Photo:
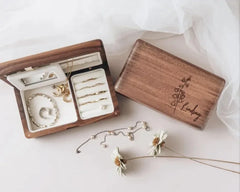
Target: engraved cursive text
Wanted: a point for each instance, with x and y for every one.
(193, 111)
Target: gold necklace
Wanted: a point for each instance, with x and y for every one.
(63, 89)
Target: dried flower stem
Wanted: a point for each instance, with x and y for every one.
(196, 159)
(181, 157)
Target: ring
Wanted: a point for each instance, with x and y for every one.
(45, 112)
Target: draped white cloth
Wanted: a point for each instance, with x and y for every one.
(210, 26)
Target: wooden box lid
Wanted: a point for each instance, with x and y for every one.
(169, 84)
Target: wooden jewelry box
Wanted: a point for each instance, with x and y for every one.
(169, 84)
(62, 88)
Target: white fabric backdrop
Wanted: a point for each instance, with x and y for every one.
(208, 26)
(50, 164)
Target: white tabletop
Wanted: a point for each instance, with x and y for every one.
(50, 163)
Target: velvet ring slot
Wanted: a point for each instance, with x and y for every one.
(92, 94)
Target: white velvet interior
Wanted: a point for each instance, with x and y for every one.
(67, 111)
(16, 78)
(99, 108)
(81, 62)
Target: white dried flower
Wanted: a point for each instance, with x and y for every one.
(119, 161)
(158, 142)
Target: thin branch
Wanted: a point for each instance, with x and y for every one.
(196, 159)
(186, 157)
(207, 163)
(205, 159)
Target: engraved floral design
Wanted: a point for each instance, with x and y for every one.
(179, 92)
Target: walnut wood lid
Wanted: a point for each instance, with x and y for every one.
(169, 84)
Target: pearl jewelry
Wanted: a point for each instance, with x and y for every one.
(130, 138)
(53, 110)
(145, 126)
(93, 137)
(103, 107)
(104, 145)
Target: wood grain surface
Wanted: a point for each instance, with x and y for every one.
(169, 84)
(46, 58)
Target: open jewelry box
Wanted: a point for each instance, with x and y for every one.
(62, 88)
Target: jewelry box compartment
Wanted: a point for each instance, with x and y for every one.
(92, 94)
(63, 88)
(42, 108)
(90, 85)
